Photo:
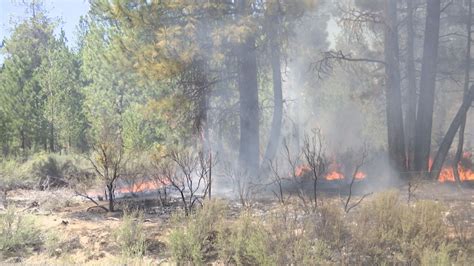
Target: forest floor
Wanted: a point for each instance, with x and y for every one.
(87, 236)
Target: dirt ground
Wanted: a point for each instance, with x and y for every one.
(62, 212)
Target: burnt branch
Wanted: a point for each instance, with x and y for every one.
(325, 65)
(186, 171)
(313, 155)
(97, 205)
(278, 179)
(347, 205)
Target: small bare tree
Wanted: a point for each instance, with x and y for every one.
(108, 162)
(186, 171)
(314, 157)
(348, 206)
(206, 162)
(294, 162)
(278, 179)
(243, 185)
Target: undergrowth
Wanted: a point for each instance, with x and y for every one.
(19, 235)
(131, 235)
(384, 230)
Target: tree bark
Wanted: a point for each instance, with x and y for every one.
(410, 116)
(396, 143)
(249, 150)
(110, 188)
(449, 137)
(458, 155)
(424, 119)
(275, 132)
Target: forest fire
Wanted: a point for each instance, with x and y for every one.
(447, 174)
(143, 186)
(333, 174)
(464, 169)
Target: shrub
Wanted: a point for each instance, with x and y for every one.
(245, 242)
(57, 245)
(130, 235)
(282, 238)
(194, 238)
(296, 239)
(18, 233)
(331, 226)
(431, 257)
(388, 231)
(9, 178)
(54, 170)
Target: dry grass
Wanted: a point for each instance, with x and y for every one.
(383, 229)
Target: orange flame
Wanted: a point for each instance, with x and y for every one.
(447, 173)
(332, 175)
(301, 170)
(360, 175)
(141, 187)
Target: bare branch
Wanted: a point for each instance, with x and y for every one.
(325, 65)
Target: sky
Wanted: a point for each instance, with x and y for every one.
(68, 11)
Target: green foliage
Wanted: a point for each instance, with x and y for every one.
(194, 238)
(40, 102)
(331, 226)
(43, 171)
(440, 256)
(245, 242)
(10, 176)
(18, 233)
(131, 235)
(388, 230)
(296, 239)
(69, 168)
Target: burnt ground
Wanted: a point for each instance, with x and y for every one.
(62, 212)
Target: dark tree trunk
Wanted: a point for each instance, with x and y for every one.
(396, 143)
(249, 149)
(110, 189)
(459, 150)
(424, 119)
(203, 77)
(274, 138)
(410, 116)
(449, 137)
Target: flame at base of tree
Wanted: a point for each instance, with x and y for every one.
(464, 169)
(447, 174)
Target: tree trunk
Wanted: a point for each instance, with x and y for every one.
(201, 121)
(396, 143)
(110, 188)
(457, 157)
(424, 119)
(23, 141)
(410, 116)
(449, 137)
(249, 149)
(275, 132)
(51, 141)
